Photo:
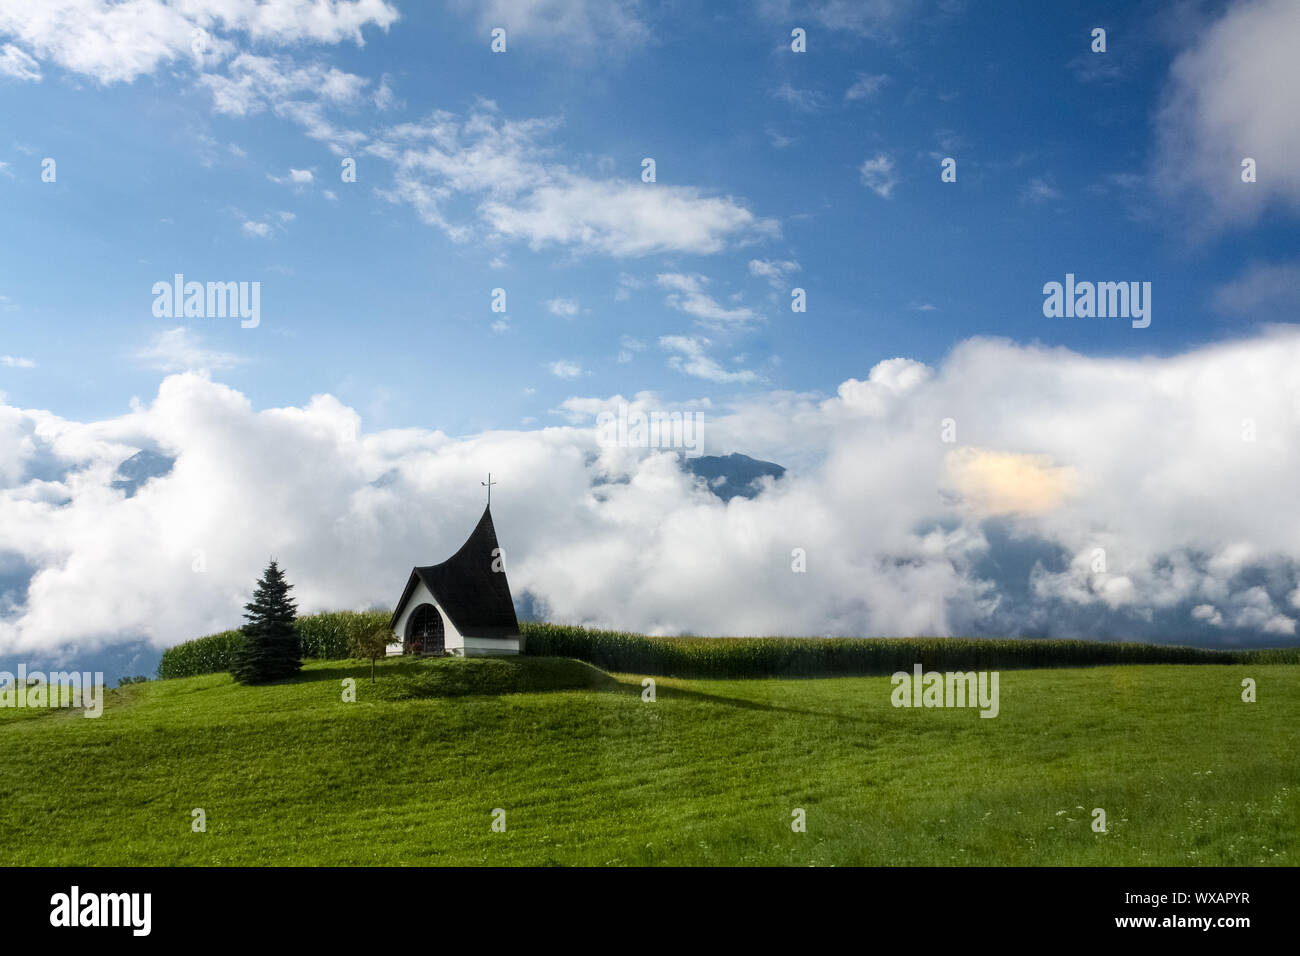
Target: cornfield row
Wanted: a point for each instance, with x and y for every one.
(328, 636)
(203, 655)
(325, 636)
(739, 657)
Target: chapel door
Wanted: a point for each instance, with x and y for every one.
(424, 635)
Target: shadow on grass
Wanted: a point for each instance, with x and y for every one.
(431, 677)
(739, 703)
(425, 678)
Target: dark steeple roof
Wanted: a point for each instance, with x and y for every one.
(476, 598)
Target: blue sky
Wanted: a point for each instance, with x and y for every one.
(347, 432)
(1055, 149)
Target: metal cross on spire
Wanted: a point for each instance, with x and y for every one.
(488, 485)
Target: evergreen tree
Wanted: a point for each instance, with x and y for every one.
(270, 649)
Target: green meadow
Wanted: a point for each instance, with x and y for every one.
(587, 772)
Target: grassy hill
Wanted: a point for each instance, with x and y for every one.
(589, 773)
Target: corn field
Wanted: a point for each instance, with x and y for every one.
(204, 655)
(324, 636)
(739, 657)
(328, 636)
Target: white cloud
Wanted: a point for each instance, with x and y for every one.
(1040, 190)
(629, 348)
(385, 98)
(625, 220)
(523, 194)
(297, 177)
(13, 361)
(690, 357)
(876, 18)
(627, 284)
(687, 295)
(1264, 290)
(567, 308)
(807, 101)
(180, 349)
(878, 175)
(254, 83)
(1208, 613)
(1229, 96)
(994, 533)
(778, 139)
(563, 368)
(16, 64)
(118, 42)
(866, 86)
(581, 26)
(268, 226)
(776, 272)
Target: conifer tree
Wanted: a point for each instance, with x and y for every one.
(270, 648)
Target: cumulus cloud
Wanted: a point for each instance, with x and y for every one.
(1264, 289)
(774, 271)
(521, 193)
(564, 368)
(992, 483)
(118, 42)
(1232, 95)
(878, 175)
(503, 172)
(686, 294)
(301, 94)
(566, 308)
(573, 25)
(1040, 190)
(17, 361)
(254, 83)
(1009, 490)
(806, 101)
(296, 177)
(627, 284)
(866, 86)
(690, 355)
(181, 349)
(623, 219)
(267, 226)
(778, 139)
(16, 64)
(875, 18)
(629, 347)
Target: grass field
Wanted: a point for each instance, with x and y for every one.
(589, 773)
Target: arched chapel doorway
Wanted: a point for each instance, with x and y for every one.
(424, 633)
